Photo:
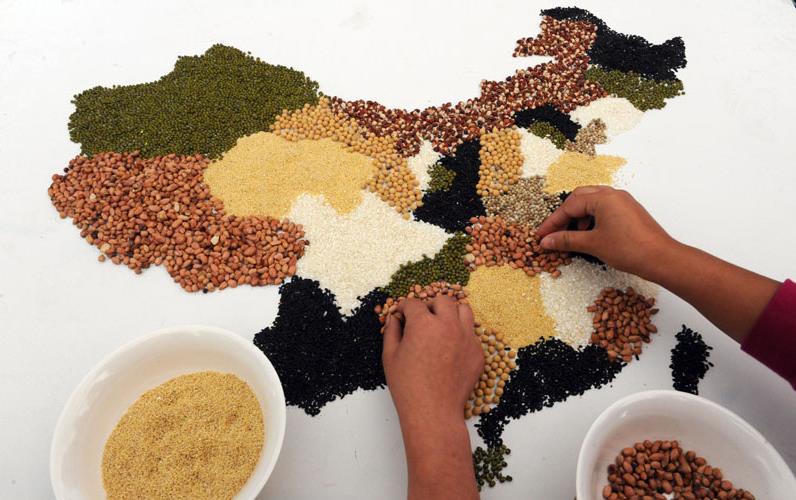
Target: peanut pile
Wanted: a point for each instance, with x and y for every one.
(499, 359)
(622, 322)
(661, 469)
(496, 242)
(393, 180)
(501, 161)
(144, 211)
(560, 83)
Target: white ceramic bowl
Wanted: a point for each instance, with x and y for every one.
(722, 437)
(103, 396)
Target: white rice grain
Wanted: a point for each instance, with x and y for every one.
(618, 114)
(566, 298)
(537, 153)
(420, 163)
(354, 253)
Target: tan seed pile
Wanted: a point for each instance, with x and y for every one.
(588, 137)
(197, 436)
(501, 161)
(498, 357)
(394, 182)
(622, 322)
(496, 242)
(144, 211)
(264, 174)
(560, 83)
(526, 203)
(572, 170)
(662, 469)
(510, 302)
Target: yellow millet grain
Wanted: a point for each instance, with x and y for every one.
(501, 161)
(509, 301)
(264, 173)
(197, 436)
(577, 169)
(393, 180)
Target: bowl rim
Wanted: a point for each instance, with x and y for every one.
(169, 330)
(591, 434)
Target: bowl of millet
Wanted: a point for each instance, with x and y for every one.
(183, 412)
(665, 444)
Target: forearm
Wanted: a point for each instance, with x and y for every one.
(438, 458)
(731, 297)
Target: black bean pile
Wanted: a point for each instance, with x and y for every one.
(561, 121)
(614, 50)
(318, 354)
(548, 372)
(451, 209)
(689, 361)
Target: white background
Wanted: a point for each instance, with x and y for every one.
(717, 168)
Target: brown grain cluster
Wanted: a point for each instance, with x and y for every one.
(501, 161)
(499, 359)
(622, 322)
(661, 469)
(496, 242)
(393, 180)
(588, 137)
(560, 83)
(144, 211)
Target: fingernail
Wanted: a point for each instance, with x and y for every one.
(547, 242)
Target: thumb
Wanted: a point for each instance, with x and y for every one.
(392, 336)
(569, 241)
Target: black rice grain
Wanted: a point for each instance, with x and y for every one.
(551, 115)
(689, 361)
(626, 53)
(548, 372)
(453, 208)
(319, 354)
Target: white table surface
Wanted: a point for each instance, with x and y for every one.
(717, 168)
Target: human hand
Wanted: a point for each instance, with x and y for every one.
(624, 236)
(432, 359)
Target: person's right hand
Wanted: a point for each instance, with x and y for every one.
(624, 236)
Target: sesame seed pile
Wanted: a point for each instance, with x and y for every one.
(364, 204)
(158, 211)
(689, 362)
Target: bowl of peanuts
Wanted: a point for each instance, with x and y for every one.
(665, 444)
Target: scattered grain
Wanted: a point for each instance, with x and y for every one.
(622, 322)
(538, 153)
(525, 203)
(618, 114)
(501, 161)
(588, 137)
(689, 360)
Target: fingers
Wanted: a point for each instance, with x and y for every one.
(392, 336)
(569, 241)
(580, 204)
(444, 306)
(466, 318)
(412, 310)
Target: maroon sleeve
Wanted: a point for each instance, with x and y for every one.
(772, 340)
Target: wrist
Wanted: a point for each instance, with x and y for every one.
(663, 261)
